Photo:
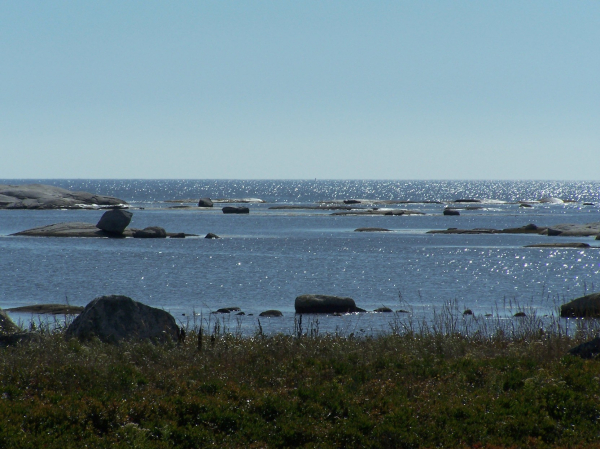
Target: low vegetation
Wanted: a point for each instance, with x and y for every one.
(407, 389)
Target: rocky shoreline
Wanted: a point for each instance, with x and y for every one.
(40, 196)
(562, 230)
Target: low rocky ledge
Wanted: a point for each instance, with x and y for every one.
(562, 230)
(379, 212)
(51, 309)
(40, 196)
(79, 229)
(577, 245)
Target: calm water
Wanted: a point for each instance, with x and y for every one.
(267, 258)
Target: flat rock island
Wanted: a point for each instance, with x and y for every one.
(40, 196)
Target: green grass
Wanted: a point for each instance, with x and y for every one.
(424, 389)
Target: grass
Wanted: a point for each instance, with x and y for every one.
(418, 386)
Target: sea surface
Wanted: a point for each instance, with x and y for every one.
(265, 259)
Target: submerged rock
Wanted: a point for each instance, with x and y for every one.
(372, 230)
(325, 304)
(210, 235)
(584, 307)
(115, 318)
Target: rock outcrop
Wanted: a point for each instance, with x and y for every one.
(115, 318)
(578, 245)
(271, 313)
(40, 196)
(74, 229)
(383, 310)
(152, 232)
(236, 210)
(325, 304)
(587, 350)
(205, 202)
(584, 307)
(379, 212)
(451, 212)
(372, 230)
(562, 230)
(6, 324)
(51, 309)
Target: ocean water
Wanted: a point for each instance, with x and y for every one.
(267, 258)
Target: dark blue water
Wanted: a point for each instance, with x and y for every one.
(267, 258)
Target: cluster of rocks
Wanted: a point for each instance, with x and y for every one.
(117, 318)
(113, 223)
(238, 311)
(40, 196)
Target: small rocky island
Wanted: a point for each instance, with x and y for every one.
(112, 224)
(40, 196)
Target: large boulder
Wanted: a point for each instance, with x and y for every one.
(205, 202)
(236, 210)
(152, 232)
(115, 221)
(115, 318)
(585, 307)
(325, 304)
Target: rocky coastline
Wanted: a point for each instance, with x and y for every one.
(40, 196)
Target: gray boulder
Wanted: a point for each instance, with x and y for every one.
(152, 232)
(236, 210)
(325, 304)
(205, 202)
(115, 221)
(115, 318)
(584, 307)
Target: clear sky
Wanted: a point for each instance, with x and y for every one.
(300, 89)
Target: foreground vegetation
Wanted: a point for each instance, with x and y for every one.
(408, 390)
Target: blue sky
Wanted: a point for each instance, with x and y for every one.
(300, 89)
